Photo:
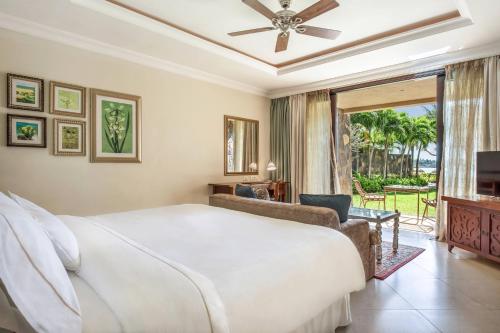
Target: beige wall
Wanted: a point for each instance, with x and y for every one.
(182, 133)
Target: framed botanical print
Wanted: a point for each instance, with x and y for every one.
(69, 137)
(115, 127)
(24, 92)
(67, 99)
(26, 131)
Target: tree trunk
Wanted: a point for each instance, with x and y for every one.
(411, 160)
(370, 158)
(401, 161)
(386, 154)
(418, 158)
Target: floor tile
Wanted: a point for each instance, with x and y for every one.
(377, 295)
(388, 321)
(464, 321)
(433, 294)
(485, 291)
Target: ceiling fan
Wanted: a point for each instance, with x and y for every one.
(286, 20)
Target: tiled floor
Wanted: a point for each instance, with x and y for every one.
(436, 292)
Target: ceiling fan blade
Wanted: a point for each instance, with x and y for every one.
(250, 31)
(317, 9)
(256, 5)
(319, 32)
(282, 42)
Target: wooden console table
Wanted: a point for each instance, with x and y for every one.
(277, 190)
(474, 225)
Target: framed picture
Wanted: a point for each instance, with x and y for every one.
(26, 131)
(69, 137)
(115, 127)
(24, 92)
(67, 99)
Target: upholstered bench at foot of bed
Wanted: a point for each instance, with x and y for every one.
(357, 230)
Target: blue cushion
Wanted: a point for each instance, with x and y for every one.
(338, 202)
(245, 191)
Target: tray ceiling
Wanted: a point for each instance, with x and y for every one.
(357, 19)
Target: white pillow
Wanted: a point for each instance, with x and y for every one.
(63, 239)
(33, 275)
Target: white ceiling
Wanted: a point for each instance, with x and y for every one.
(100, 26)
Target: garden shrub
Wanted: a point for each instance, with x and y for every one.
(377, 183)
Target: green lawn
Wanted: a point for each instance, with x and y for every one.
(406, 203)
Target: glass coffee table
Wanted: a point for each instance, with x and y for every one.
(378, 217)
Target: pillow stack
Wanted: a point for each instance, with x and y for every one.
(252, 191)
(33, 246)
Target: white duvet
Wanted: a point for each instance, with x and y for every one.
(195, 268)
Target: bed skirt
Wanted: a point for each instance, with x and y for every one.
(337, 314)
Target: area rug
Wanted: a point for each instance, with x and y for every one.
(391, 262)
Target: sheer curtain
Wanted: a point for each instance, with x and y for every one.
(319, 152)
(298, 145)
(465, 126)
(491, 119)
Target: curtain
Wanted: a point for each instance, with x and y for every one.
(319, 151)
(280, 139)
(491, 119)
(298, 145)
(464, 132)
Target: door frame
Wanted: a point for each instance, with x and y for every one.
(440, 80)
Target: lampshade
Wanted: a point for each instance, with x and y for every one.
(253, 166)
(271, 166)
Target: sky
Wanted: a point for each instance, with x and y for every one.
(417, 111)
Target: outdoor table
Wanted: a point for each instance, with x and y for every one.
(379, 216)
(409, 189)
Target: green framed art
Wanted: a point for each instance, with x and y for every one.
(115, 127)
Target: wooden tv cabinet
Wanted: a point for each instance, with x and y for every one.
(474, 225)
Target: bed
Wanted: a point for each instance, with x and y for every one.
(196, 268)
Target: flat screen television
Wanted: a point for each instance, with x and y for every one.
(488, 173)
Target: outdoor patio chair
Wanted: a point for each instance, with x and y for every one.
(366, 197)
(428, 203)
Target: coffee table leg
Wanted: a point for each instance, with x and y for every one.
(395, 236)
(378, 228)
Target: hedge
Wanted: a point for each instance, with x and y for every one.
(377, 183)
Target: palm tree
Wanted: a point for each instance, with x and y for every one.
(426, 133)
(388, 122)
(403, 138)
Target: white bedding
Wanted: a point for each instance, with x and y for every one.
(195, 268)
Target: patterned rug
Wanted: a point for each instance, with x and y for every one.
(391, 262)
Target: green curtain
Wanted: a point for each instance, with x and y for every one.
(280, 139)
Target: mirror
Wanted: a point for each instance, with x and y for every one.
(241, 146)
